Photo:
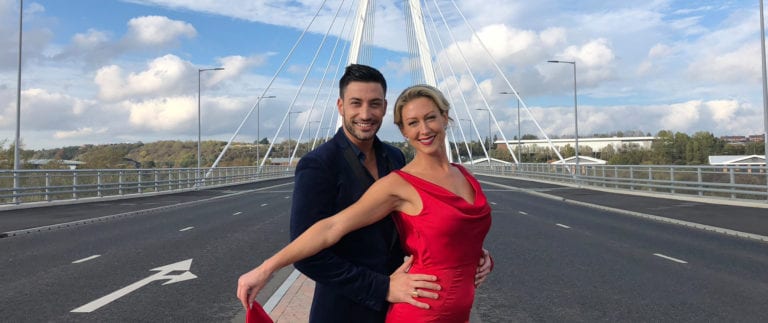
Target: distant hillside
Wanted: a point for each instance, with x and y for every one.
(161, 154)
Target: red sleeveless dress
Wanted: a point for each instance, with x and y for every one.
(445, 240)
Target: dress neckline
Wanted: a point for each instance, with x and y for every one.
(444, 190)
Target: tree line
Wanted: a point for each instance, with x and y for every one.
(670, 148)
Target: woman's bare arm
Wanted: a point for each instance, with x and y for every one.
(383, 197)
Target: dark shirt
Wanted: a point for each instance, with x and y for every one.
(352, 277)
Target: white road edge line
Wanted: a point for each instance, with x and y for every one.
(562, 226)
(86, 259)
(186, 229)
(280, 292)
(670, 258)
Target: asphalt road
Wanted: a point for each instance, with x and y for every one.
(555, 261)
(43, 281)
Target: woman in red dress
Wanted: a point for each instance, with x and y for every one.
(440, 210)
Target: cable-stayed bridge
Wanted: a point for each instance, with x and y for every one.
(472, 84)
(571, 242)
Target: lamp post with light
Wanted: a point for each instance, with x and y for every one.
(575, 110)
(17, 140)
(200, 71)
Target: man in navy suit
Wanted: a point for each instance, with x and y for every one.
(356, 279)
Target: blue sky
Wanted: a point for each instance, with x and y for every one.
(111, 71)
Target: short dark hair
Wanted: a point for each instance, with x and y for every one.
(361, 73)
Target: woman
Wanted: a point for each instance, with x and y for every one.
(441, 213)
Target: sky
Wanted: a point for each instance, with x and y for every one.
(108, 71)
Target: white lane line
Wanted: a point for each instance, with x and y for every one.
(563, 226)
(237, 213)
(86, 259)
(265, 204)
(186, 229)
(670, 258)
(493, 203)
(521, 212)
(287, 197)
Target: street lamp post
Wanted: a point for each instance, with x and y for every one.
(765, 87)
(258, 123)
(17, 141)
(200, 71)
(575, 110)
(519, 141)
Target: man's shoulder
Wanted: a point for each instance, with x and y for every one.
(327, 150)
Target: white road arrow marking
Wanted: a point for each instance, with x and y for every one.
(163, 273)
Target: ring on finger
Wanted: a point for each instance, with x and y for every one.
(415, 293)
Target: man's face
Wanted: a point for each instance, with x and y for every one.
(362, 109)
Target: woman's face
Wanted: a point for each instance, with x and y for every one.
(424, 125)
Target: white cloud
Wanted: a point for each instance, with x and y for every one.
(163, 75)
(164, 114)
(659, 50)
(79, 133)
(737, 65)
(648, 65)
(552, 36)
(681, 115)
(91, 39)
(158, 30)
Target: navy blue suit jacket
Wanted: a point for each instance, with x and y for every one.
(352, 277)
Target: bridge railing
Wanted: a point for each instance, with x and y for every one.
(52, 185)
(45, 186)
(729, 182)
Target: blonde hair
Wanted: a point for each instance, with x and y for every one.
(420, 91)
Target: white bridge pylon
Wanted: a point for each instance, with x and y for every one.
(429, 36)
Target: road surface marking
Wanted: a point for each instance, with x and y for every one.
(493, 203)
(162, 274)
(563, 226)
(86, 259)
(670, 258)
(521, 212)
(280, 292)
(237, 213)
(265, 204)
(186, 229)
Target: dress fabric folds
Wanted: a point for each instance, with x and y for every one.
(445, 240)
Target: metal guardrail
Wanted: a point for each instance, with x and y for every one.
(730, 182)
(49, 185)
(41, 186)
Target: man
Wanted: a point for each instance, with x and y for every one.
(357, 278)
